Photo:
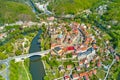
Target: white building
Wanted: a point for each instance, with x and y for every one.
(89, 54)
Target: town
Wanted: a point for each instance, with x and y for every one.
(59, 40)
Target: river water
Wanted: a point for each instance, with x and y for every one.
(36, 65)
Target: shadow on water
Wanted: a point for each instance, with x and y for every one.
(36, 65)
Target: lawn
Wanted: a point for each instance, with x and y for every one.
(100, 74)
(17, 71)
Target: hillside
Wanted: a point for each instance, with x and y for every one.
(70, 6)
(14, 11)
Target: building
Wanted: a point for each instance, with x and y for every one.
(94, 71)
(75, 76)
(69, 67)
(19, 60)
(99, 64)
(66, 77)
(3, 35)
(89, 54)
(74, 55)
(87, 65)
(81, 63)
(50, 18)
(57, 50)
(70, 49)
(78, 68)
(86, 77)
(61, 69)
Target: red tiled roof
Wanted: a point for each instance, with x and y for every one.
(94, 71)
(66, 77)
(117, 58)
(69, 66)
(78, 68)
(99, 63)
(90, 73)
(50, 18)
(88, 40)
(86, 76)
(95, 46)
(75, 76)
(70, 48)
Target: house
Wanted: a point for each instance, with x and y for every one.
(89, 54)
(99, 64)
(95, 46)
(1, 28)
(78, 68)
(50, 18)
(81, 75)
(3, 35)
(75, 76)
(74, 55)
(81, 48)
(94, 71)
(86, 77)
(53, 45)
(60, 36)
(70, 49)
(61, 69)
(90, 73)
(88, 40)
(80, 63)
(117, 58)
(85, 60)
(94, 42)
(69, 67)
(19, 60)
(75, 31)
(66, 77)
(83, 25)
(87, 65)
(58, 50)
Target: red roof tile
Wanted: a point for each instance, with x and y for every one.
(70, 48)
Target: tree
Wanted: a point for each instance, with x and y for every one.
(3, 56)
(18, 52)
(46, 78)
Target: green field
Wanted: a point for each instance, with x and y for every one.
(70, 6)
(13, 11)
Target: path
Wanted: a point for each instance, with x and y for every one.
(26, 71)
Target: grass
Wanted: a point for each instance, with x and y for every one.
(99, 75)
(13, 11)
(70, 6)
(17, 71)
(1, 78)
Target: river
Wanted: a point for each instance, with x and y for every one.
(36, 65)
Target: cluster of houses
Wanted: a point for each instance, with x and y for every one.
(79, 75)
(79, 43)
(84, 75)
(65, 42)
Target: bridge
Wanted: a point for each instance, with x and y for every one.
(42, 53)
(5, 73)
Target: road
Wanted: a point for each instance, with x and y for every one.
(5, 73)
(114, 60)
